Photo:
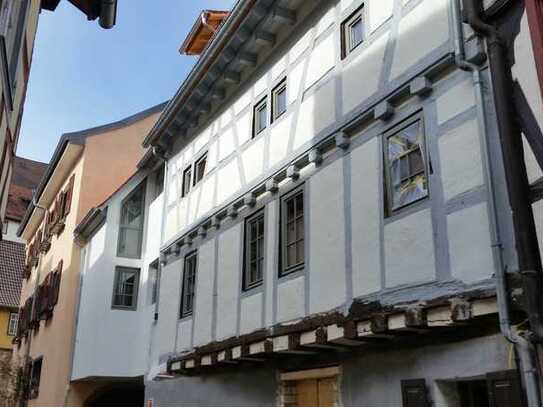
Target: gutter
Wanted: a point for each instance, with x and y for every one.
(517, 187)
(214, 48)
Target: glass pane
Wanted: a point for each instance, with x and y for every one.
(416, 162)
(356, 33)
(291, 232)
(132, 210)
(129, 242)
(299, 204)
(252, 251)
(290, 209)
(280, 101)
(261, 117)
(300, 251)
(300, 228)
(291, 255)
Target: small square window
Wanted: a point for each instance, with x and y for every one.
(406, 177)
(12, 323)
(260, 120)
(352, 32)
(292, 232)
(187, 174)
(189, 284)
(254, 251)
(279, 99)
(200, 168)
(125, 290)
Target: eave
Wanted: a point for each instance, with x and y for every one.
(250, 28)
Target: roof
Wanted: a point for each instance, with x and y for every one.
(91, 8)
(12, 257)
(202, 31)
(79, 138)
(25, 178)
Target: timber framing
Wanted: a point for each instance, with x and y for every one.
(366, 323)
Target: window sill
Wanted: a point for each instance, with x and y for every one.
(120, 308)
(185, 317)
(294, 271)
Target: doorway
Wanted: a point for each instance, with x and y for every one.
(310, 388)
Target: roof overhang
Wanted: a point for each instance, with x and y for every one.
(202, 31)
(251, 26)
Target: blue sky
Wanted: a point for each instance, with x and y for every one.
(83, 76)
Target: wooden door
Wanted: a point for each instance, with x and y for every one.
(316, 392)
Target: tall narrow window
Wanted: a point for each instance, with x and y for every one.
(292, 232)
(125, 290)
(187, 174)
(352, 31)
(189, 284)
(407, 181)
(254, 251)
(35, 378)
(200, 168)
(260, 119)
(12, 324)
(279, 99)
(131, 224)
(154, 273)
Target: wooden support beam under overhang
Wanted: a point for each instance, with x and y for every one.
(247, 58)
(232, 77)
(264, 37)
(345, 335)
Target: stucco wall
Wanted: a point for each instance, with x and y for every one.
(116, 153)
(353, 250)
(5, 340)
(367, 379)
(113, 342)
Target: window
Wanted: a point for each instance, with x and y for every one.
(131, 225)
(12, 323)
(279, 99)
(154, 276)
(200, 168)
(405, 165)
(260, 119)
(35, 378)
(187, 174)
(292, 232)
(125, 289)
(254, 251)
(189, 284)
(352, 32)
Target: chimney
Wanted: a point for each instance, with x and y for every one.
(203, 30)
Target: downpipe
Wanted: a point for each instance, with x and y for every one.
(523, 346)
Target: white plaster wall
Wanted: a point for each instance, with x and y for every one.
(365, 215)
(184, 335)
(228, 273)
(460, 157)
(203, 309)
(427, 26)
(291, 299)
(120, 352)
(272, 219)
(251, 313)
(361, 73)
(409, 250)
(469, 244)
(456, 100)
(537, 208)
(327, 240)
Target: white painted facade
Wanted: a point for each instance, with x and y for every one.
(352, 249)
(10, 231)
(109, 342)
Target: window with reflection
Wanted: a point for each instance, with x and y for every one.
(131, 224)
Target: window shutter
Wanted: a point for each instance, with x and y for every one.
(414, 393)
(56, 286)
(68, 197)
(46, 226)
(504, 389)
